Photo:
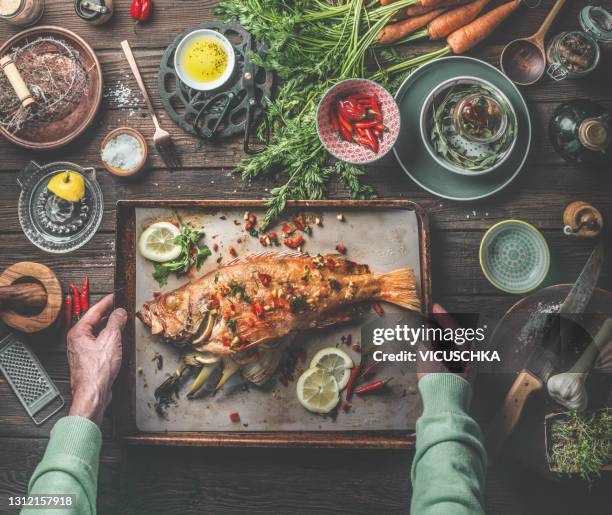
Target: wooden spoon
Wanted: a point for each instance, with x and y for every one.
(524, 60)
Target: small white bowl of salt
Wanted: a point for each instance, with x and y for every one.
(124, 151)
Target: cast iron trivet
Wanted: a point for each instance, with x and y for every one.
(183, 103)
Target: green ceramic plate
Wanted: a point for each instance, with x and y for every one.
(514, 256)
(410, 149)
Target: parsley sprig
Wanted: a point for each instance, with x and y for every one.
(193, 254)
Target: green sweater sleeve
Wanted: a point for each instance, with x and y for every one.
(69, 466)
(450, 463)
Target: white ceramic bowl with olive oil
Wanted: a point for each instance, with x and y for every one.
(204, 60)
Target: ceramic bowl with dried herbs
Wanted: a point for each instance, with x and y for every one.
(468, 126)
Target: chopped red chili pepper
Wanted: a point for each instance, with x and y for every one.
(341, 247)
(215, 247)
(257, 309)
(232, 251)
(356, 347)
(265, 279)
(250, 223)
(299, 222)
(294, 242)
(273, 236)
(234, 416)
(287, 229)
(349, 339)
(378, 309)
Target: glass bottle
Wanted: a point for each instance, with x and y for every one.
(581, 131)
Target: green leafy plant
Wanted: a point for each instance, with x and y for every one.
(312, 45)
(192, 255)
(581, 444)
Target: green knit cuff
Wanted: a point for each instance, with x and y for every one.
(78, 437)
(445, 393)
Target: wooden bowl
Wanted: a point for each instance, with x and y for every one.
(119, 172)
(61, 132)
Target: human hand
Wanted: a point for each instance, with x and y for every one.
(441, 317)
(94, 357)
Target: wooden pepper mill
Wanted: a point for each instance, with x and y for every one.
(30, 297)
(582, 220)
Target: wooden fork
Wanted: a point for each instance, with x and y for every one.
(161, 139)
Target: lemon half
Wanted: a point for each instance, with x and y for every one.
(337, 362)
(67, 185)
(317, 390)
(157, 242)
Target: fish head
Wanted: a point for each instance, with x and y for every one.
(169, 316)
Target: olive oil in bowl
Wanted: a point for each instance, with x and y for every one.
(204, 60)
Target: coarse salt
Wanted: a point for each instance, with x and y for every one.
(124, 151)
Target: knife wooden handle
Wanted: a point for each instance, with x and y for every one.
(508, 416)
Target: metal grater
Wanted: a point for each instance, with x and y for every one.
(28, 378)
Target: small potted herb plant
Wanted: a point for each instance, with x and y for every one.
(579, 444)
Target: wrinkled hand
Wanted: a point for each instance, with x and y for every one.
(441, 317)
(94, 356)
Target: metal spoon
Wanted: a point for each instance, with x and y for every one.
(524, 60)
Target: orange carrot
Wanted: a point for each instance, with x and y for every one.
(417, 9)
(452, 20)
(395, 31)
(473, 33)
(432, 4)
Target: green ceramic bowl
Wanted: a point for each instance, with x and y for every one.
(514, 256)
(410, 149)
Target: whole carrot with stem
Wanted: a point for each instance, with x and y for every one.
(418, 9)
(396, 31)
(460, 40)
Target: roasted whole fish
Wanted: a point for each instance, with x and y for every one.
(248, 305)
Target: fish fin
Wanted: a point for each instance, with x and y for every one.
(277, 254)
(400, 288)
(345, 314)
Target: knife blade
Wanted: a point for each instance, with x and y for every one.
(542, 361)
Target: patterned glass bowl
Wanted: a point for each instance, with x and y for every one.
(347, 150)
(514, 256)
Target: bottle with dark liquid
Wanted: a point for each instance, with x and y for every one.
(581, 131)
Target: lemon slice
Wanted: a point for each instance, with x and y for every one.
(317, 390)
(69, 186)
(157, 242)
(337, 362)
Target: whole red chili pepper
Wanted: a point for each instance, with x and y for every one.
(353, 377)
(141, 9)
(370, 370)
(76, 301)
(372, 387)
(366, 125)
(68, 311)
(85, 295)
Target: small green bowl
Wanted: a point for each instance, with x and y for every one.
(514, 256)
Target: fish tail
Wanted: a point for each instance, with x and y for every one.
(400, 288)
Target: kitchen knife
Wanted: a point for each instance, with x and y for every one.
(542, 360)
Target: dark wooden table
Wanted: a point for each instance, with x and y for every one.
(158, 480)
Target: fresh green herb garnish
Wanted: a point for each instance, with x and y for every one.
(231, 323)
(297, 303)
(192, 255)
(239, 291)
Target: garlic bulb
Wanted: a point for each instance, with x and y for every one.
(568, 390)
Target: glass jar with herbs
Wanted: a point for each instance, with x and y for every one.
(22, 13)
(576, 53)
